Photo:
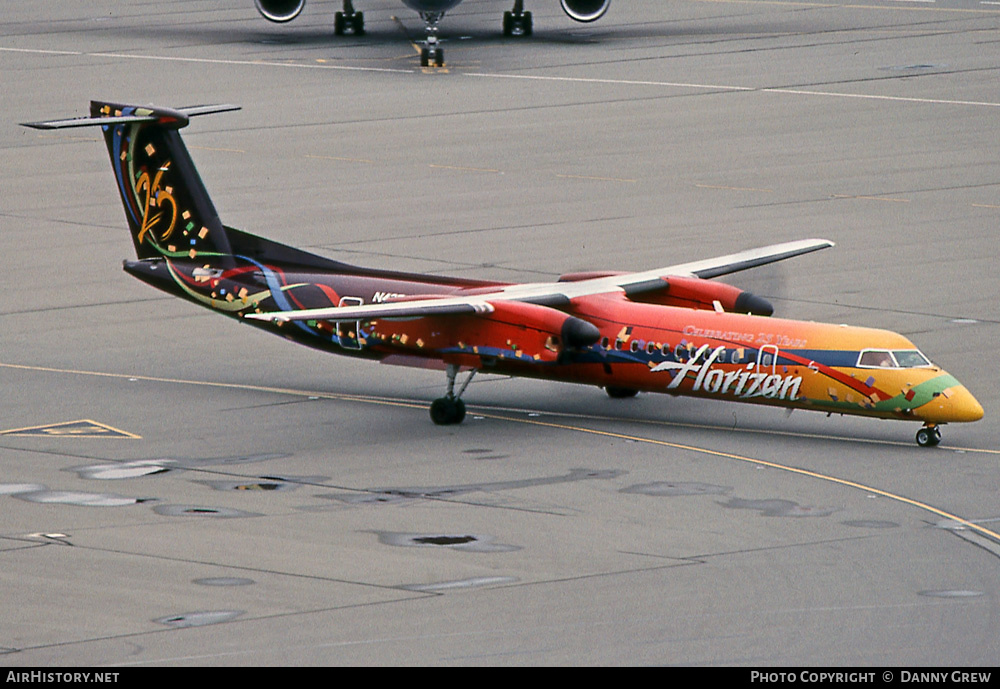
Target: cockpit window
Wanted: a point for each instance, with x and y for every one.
(876, 358)
(899, 358)
(910, 358)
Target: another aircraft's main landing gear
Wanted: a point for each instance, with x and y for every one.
(349, 21)
(450, 409)
(517, 22)
(432, 52)
(929, 436)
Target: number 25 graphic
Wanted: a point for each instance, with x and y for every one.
(156, 200)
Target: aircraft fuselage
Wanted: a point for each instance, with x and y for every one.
(642, 347)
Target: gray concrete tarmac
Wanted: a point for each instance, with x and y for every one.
(176, 489)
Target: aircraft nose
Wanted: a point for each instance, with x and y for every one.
(965, 407)
(955, 404)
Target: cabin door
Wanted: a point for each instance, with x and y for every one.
(767, 356)
(349, 332)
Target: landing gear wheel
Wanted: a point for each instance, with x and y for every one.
(429, 55)
(617, 393)
(447, 411)
(432, 53)
(353, 21)
(517, 23)
(928, 436)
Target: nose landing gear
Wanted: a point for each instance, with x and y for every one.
(431, 53)
(929, 435)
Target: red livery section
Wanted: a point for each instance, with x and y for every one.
(670, 330)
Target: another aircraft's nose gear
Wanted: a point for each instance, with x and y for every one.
(432, 52)
(929, 436)
(517, 22)
(450, 409)
(349, 21)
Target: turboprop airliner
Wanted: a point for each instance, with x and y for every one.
(670, 330)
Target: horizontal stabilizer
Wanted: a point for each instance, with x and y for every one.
(175, 118)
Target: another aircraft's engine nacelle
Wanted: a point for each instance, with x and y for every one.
(280, 10)
(585, 10)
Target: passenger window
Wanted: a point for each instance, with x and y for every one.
(876, 358)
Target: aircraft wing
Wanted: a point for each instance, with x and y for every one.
(752, 258)
(417, 308)
(649, 280)
(555, 293)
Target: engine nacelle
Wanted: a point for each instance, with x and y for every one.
(695, 293)
(584, 10)
(280, 10)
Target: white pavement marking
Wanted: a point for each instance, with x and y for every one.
(487, 75)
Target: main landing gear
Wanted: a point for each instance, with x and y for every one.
(929, 435)
(450, 409)
(349, 21)
(517, 22)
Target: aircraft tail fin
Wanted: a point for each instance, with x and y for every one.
(167, 207)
